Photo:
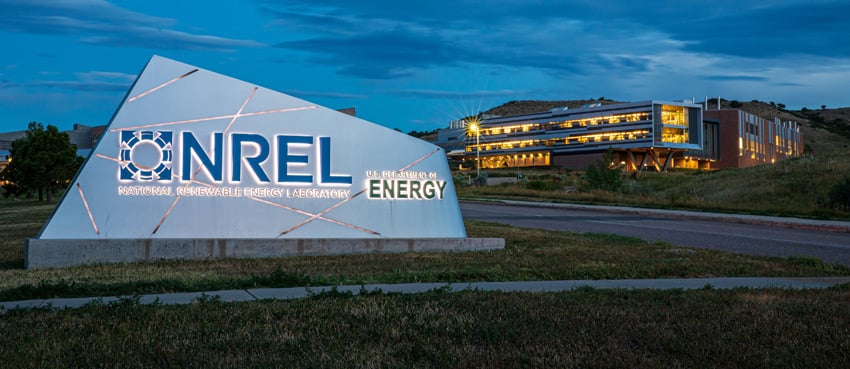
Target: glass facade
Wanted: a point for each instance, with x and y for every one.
(674, 123)
(532, 139)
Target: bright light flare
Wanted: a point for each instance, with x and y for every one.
(473, 126)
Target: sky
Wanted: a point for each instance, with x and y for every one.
(416, 65)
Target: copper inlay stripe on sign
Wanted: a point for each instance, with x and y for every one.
(299, 211)
(316, 216)
(88, 210)
(143, 94)
(197, 120)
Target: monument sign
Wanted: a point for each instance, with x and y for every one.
(195, 165)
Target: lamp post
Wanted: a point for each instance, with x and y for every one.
(474, 126)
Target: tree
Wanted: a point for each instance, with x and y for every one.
(604, 174)
(43, 161)
(421, 134)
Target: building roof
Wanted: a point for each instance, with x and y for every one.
(586, 109)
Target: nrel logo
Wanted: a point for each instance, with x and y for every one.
(145, 155)
(295, 159)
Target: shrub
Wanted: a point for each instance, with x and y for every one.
(839, 194)
(604, 174)
(542, 185)
(481, 180)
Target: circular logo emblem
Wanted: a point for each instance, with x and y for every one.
(145, 155)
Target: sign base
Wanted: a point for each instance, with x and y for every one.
(51, 253)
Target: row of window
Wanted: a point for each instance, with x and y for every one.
(674, 116)
(781, 138)
(566, 124)
(638, 134)
(517, 160)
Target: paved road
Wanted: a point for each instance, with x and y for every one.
(679, 229)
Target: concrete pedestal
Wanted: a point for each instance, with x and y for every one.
(52, 253)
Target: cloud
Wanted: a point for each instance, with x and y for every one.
(332, 95)
(376, 40)
(746, 78)
(440, 94)
(70, 16)
(93, 81)
(80, 85)
(389, 54)
(379, 39)
(94, 75)
(788, 84)
(168, 39)
(755, 29)
(102, 23)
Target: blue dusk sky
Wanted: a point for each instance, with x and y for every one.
(416, 65)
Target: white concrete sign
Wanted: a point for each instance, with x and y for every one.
(195, 154)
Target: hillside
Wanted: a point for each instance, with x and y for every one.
(824, 130)
(517, 107)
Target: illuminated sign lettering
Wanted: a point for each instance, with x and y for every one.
(406, 189)
(212, 160)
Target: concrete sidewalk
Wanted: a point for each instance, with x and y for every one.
(527, 286)
(800, 223)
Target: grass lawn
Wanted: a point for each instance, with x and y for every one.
(529, 255)
(796, 187)
(581, 329)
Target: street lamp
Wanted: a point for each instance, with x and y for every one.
(473, 125)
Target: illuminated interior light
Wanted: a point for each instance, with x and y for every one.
(323, 212)
(299, 211)
(241, 108)
(88, 210)
(143, 94)
(167, 213)
(197, 120)
(194, 175)
(417, 161)
(109, 158)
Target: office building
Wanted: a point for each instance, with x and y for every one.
(647, 134)
(749, 140)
